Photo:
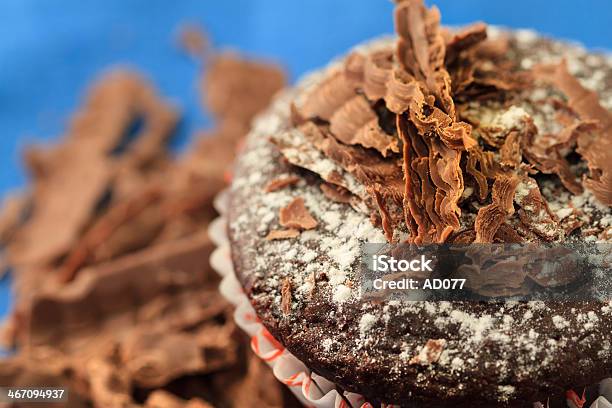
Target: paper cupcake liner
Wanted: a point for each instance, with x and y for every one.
(311, 389)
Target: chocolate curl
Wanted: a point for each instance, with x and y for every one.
(430, 201)
(418, 29)
(549, 159)
(280, 183)
(534, 212)
(487, 169)
(412, 212)
(465, 40)
(104, 228)
(421, 49)
(492, 216)
(401, 91)
(371, 170)
(387, 224)
(376, 73)
(325, 99)
(586, 104)
(510, 151)
(357, 123)
(354, 67)
(430, 119)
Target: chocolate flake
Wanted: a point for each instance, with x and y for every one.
(492, 216)
(327, 98)
(295, 215)
(336, 193)
(356, 123)
(283, 234)
(586, 104)
(281, 183)
(286, 296)
(465, 40)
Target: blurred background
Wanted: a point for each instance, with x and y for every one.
(50, 51)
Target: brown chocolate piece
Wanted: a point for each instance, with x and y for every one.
(492, 216)
(231, 81)
(48, 236)
(464, 40)
(295, 215)
(535, 213)
(355, 122)
(281, 183)
(586, 104)
(327, 98)
(283, 234)
(136, 306)
(286, 296)
(336, 193)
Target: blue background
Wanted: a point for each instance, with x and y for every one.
(50, 50)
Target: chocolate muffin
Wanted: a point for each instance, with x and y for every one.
(476, 135)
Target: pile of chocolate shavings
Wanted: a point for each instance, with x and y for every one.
(429, 125)
(108, 250)
(447, 137)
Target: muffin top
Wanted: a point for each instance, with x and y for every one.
(475, 135)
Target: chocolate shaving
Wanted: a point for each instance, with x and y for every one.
(386, 221)
(357, 123)
(510, 151)
(286, 296)
(421, 47)
(434, 185)
(534, 212)
(295, 215)
(336, 193)
(354, 67)
(465, 40)
(492, 216)
(101, 235)
(489, 275)
(135, 309)
(547, 156)
(232, 81)
(376, 73)
(377, 174)
(327, 97)
(299, 149)
(586, 104)
(283, 234)
(486, 169)
(83, 183)
(281, 183)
